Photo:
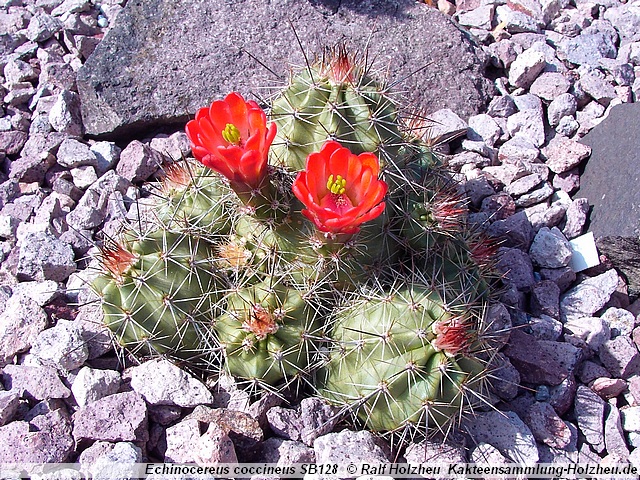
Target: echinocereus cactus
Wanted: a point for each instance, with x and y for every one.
(335, 99)
(159, 292)
(331, 248)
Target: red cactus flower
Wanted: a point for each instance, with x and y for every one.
(232, 138)
(340, 190)
(452, 336)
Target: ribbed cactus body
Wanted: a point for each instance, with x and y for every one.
(195, 198)
(269, 333)
(160, 295)
(323, 103)
(390, 365)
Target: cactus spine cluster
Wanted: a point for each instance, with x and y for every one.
(338, 256)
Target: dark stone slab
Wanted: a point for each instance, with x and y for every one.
(612, 174)
(164, 59)
(624, 255)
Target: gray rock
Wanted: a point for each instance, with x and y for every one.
(214, 447)
(176, 388)
(44, 257)
(84, 176)
(46, 439)
(20, 323)
(622, 73)
(620, 356)
(503, 106)
(514, 231)
(516, 268)
(61, 346)
(623, 253)
(517, 21)
(576, 218)
(524, 184)
(92, 207)
(73, 153)
(630, 418)
(174, 146)
(607, 388)
(545, 328)
(589, 411)
(540, 362)
(97, 338)
(138, 162)
(561, 106)
(608, 181)
(485, 453)
(590, 371)
(598, 88)
(498, 207)
(529, 124)
(445, 122)
(92, 384)
(563, 277)
(9, 402)
(477, 189)
(181, 440)
(505, 378)
(226, 394)
(285, 422)
(117, 97)
(550, 249)
(318, 418)
(591, 332)
(115, 418)
(12, 142)
(107, 155)
(586, 49)
(348, 446)
(483, 128)
(589, 296)
(42, 27)
(37, 383)
(17, 71)
(563, 395)
(285, 452)
(480, 17)
(626, 19)
(546, 426)
(497, 325)
(163, 414)
(121, 461)
(562, 154)
(65, 115)
(620, 321)
(541, 215)
(545, 299)
(508, 433)
(518, 149)
(550, 85)
(40, 292)
(567, 126)
(440, 454)
(568, 181)
(502, 54)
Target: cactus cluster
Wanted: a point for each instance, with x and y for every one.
(330, 249)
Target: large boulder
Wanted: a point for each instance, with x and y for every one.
(611, 175)
(163, 60)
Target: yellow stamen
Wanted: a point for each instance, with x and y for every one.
(337, 186)
(231, 134)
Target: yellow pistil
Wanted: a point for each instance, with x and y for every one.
(336, 186)
(231, 134)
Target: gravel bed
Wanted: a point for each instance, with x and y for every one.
(567, 384)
